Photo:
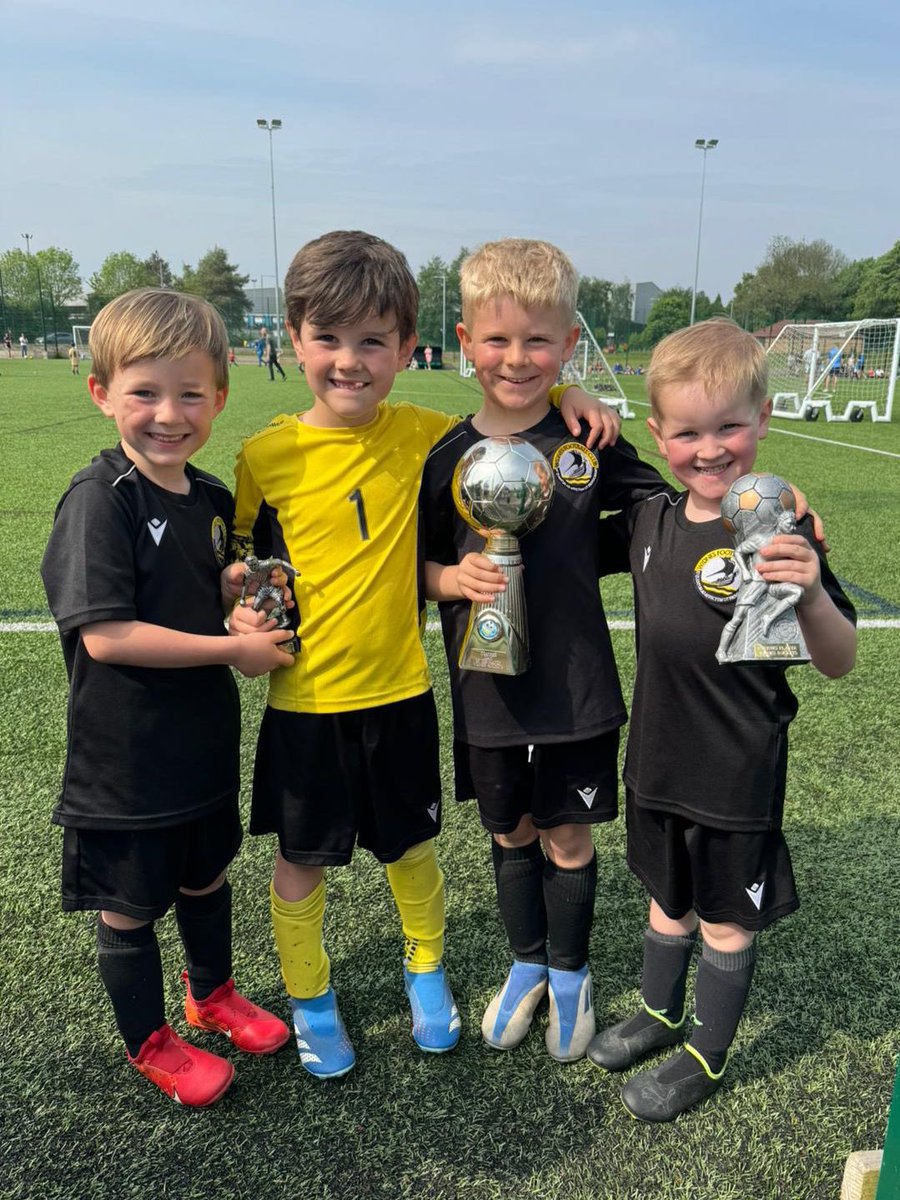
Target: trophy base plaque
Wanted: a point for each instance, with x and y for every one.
(496, 637)
(781, 642)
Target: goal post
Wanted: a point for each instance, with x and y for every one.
(587, 367)
(80, 335)
(843, 369)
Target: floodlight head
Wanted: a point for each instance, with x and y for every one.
(261, 123)
(699, 144)
(276, 124)
(712, 143)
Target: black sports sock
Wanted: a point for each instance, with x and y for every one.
(667, 958)
(204, 923)
(519, 873)
(131, 970)
(723, 983)
(569, 896)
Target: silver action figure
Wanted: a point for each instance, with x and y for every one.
(258, 572)
(764, 626)
(503, 485)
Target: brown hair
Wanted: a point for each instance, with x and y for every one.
(717, 354)
(346, 276)
(534, 274)
(156, 323)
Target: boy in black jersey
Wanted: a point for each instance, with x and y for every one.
(149, 800)
(707, 748)
(538, 750)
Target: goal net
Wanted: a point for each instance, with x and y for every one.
(80, 340)
(843, 369)
(587, 367)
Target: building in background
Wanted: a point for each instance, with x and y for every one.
(645, 295)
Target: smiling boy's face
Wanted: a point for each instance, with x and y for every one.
(350, 368)
(517, 353)
(708, 441)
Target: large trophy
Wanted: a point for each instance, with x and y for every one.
(764, 627)
(504, 486)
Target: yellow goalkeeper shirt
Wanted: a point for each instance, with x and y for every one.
(340, 505)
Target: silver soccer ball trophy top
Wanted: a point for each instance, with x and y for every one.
(764, 626)
(503, 486)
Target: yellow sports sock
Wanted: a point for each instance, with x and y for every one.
(298, 939)
(418, 886)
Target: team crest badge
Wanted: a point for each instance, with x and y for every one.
(219, 535)
(716, 576)
(575, 466)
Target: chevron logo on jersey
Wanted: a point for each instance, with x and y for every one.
(157, 528)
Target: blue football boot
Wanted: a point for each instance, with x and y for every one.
(572, 1022)
(436, 1023)
(324, 1048)
(508, 1017)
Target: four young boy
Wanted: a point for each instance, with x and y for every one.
(347, 749)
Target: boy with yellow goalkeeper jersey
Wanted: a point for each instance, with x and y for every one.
(348, 747)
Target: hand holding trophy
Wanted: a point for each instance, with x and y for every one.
(764, 627)
(503, 486)
(264, 588)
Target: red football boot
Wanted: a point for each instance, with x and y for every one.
(225, 1010)
(185, 1073)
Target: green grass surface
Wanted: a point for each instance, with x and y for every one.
(811, 1076)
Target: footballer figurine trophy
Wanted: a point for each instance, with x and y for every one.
(764, 627)
(504, 486)
(259, 571)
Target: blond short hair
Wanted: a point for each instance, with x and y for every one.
(346, 276)
(156, 323)
(534, 274)
(717, 354)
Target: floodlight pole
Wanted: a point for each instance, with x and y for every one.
(27, 238)
(271, 127)
(704, 144)
(443, 314)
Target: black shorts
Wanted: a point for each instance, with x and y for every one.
(323, 781)
(560, 783)
(137, 872)
(743, 879)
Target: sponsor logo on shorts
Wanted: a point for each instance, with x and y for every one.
(755, 892)
(432, 811)
(575, 466)
(716, 576)
(588, 795)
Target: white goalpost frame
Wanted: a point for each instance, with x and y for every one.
(587, 366)
(81, 342)
(800, 370)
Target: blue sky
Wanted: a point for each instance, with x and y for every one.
(438, 125)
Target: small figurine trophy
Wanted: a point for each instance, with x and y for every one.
(502, 485)
(764, 626)
(258, 572)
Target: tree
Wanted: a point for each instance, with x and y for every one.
(431, 280)
(878, 290)
(797, 280)
(35, 285)
(672, 310)
(594, 304)
(158, 270)
(119, 272)
(218, 281)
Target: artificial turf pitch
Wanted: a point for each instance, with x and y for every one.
(813, 1066)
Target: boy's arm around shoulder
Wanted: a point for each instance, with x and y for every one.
(826, 616)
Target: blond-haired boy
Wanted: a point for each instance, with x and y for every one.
(707, 750)
(538, 751)
(149, 800)
(348, 748)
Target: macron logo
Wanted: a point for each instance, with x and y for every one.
(755, 892)
(588, 795)
(157, 529)
(648, 550)
(432, 811)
